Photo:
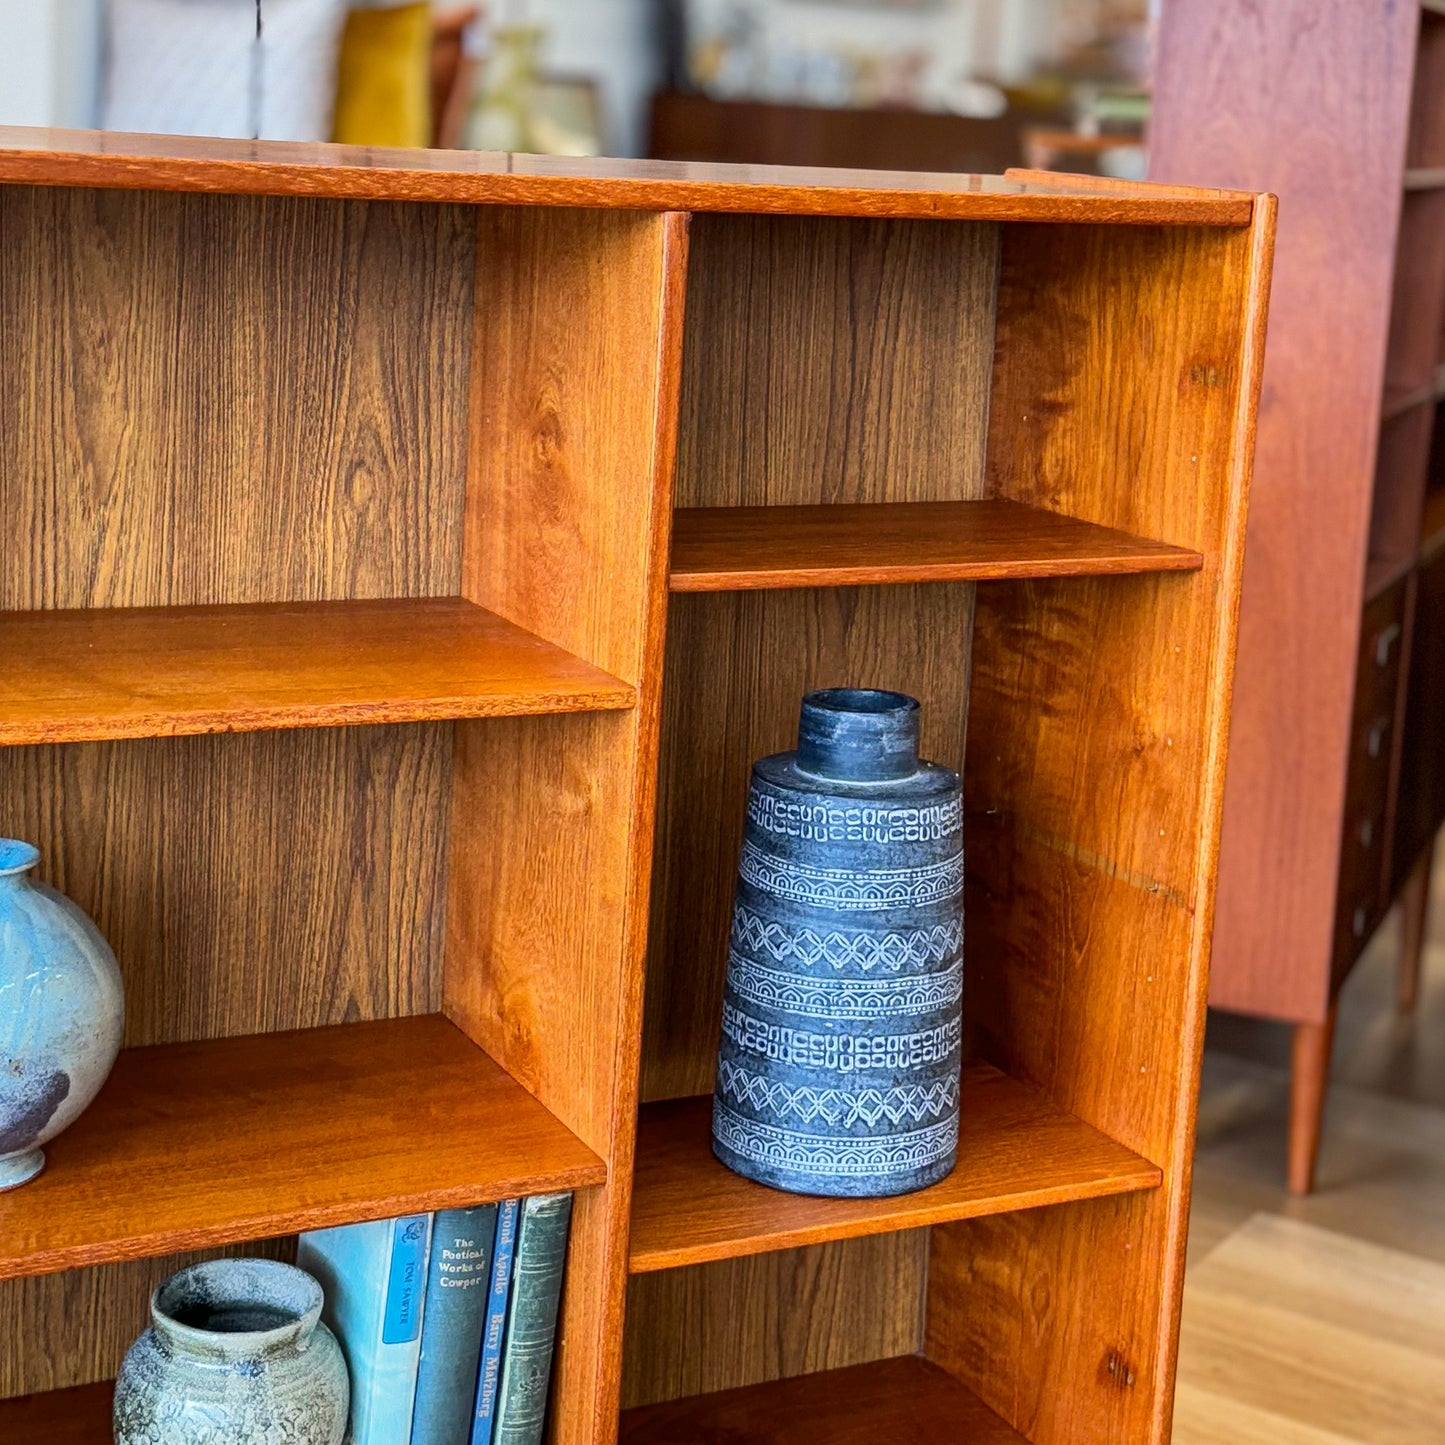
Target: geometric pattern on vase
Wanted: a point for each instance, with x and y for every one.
(832, 998)
(873, 891)
(831, 1158)
(865, 951)
(838, 1063)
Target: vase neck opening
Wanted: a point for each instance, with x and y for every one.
(17, 858)
(237, 1308)
(858, 735)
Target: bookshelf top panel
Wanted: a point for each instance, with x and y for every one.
(190, 1146)
(48, 157)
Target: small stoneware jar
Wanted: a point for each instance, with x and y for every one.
(236, 1354)
(62, 1010)
(838, 1069)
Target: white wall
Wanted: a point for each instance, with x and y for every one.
(49, 61)
(50, 58)
(612, 40)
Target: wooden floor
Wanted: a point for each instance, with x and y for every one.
(1322, 1321)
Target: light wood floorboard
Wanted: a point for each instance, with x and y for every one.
(1321, 1321)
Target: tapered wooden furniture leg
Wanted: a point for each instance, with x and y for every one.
(1414, 914)
(1308, 1079)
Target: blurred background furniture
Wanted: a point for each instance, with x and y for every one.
(1336, 782)
(695, 127)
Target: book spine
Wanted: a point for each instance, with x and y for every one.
(457, 1291)
(532, 1319)
(374, 1279)
(489, 1366)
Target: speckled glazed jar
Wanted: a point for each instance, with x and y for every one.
(236, 1354)
(62, 1009)
(839, 1061)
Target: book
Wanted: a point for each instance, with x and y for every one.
(457, 1290)
(374, 1279)
(490, 1365)
(532, 1319)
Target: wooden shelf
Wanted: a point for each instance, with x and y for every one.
(1015, 1151)
(168, 671)
(63, 1417)
(1432, 523)
(727, 549)
(201, 1144)
(1424, 178)
(1381, 573)
(1399, 399)
(903, 1401)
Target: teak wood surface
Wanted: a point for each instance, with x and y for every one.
(245, 1138)
(723, 549)
(79, 1416)
(905, 1399)
(771, 1316)
(82, 676)
(1015, 1151)
(246, 376)
(39, 157)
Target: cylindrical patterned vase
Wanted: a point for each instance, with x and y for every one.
(839, 1060)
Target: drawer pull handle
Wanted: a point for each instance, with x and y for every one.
(1361, 918)
(1384, 642)
(1367, 832)
(1375, 738)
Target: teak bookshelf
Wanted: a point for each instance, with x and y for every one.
(343, 687)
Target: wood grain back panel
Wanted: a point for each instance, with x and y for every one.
(1236, 121)
(250, 883)
(230, 399)
(835, 361)
(574, 417)
(1125, 391)
(771, 1316)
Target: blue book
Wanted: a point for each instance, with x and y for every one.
(458, 1280)
(490, 1366)
(532, 1319)
(374, 1278)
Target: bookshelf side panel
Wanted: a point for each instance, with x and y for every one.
(574, 405)
(1127, 379)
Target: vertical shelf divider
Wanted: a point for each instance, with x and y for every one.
(574, 385)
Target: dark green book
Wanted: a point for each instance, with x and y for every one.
(532, 1319)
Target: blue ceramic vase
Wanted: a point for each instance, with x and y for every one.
(236, 1354)
(839, 1061)
(62, 1009)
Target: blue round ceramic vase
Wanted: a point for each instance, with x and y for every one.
(842, 1017)
(62, 1009)
(236, 1354)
